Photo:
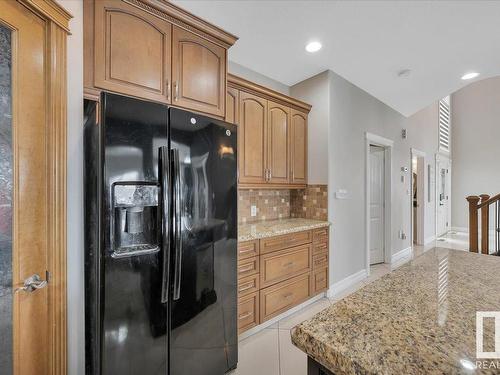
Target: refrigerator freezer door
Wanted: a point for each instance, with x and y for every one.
(134, 325)
(203, 310)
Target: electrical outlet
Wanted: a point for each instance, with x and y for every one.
(253, 210)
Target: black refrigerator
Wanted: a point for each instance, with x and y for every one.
(160, 240)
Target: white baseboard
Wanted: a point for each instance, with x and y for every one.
(347, 282)
(460, 229)
(428, 240)
(270, 322)
(401, 257)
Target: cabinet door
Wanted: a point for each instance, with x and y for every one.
(132, 51)
(198, 73)
(298, 145)
(252, 130)
(278, 124)
(232, 105)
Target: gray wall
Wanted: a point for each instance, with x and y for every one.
(316, 90)
(342, 122)
(475, 140)
(261, 79)
(75, 323)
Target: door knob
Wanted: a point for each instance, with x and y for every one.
(32, 283)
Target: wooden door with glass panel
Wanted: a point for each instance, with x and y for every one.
(27, 206)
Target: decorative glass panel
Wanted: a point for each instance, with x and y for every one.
(5, 202)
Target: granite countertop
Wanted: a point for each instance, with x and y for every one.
(418, 319)
(263, 229)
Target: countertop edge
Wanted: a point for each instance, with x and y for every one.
(285, 231)
(340, 363)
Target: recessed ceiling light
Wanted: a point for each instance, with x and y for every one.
(470, 75)
(313, 47)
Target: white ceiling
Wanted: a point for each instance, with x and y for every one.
(366, 42)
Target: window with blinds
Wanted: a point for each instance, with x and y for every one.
(444, 126)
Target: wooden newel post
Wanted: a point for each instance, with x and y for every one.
(473, 223)
(485, 225)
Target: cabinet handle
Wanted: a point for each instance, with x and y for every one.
(270, 175)
(248, 286)
(176, 89)
(251, 250)
(288, 295)
(246, 269)
(168, 90)
(289, 264)
(246, 315)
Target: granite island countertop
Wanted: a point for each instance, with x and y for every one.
(263, 229)
(418, 319)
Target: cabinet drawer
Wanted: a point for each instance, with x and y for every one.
(271, 244)
(283, 264)
(319, 280)
(320, 235)
(319, 248)
(320, 260)
(248, 249)
(247, 267)
(281, 297)
(248, 312)
(247, 285)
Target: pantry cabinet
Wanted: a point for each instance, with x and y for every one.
(252, 133)
(298, 147)
(153, 50)
(272, 135)
(278, 124)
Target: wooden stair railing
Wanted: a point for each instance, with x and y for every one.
(482, 203)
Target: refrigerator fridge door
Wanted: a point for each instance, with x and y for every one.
(134, 335)
(203, 338)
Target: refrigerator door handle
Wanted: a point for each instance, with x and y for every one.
(177, 214)
(165, 222)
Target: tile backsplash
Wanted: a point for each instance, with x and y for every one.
(270, 204)
(310, 203)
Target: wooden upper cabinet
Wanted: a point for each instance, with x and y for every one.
(278, 124)
(252, 133)
(198, 73)
(232, 105)
(132, 51)
(298, 145)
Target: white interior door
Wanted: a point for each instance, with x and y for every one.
(377, 194)
(443, 195)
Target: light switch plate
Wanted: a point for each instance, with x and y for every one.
(253, 210)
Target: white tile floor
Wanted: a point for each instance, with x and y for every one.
(271, 352)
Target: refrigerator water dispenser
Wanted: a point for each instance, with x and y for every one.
(135, 219)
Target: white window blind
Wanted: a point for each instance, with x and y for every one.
(444, 126)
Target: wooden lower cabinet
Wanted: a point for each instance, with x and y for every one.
(284, 264)
(319, 281)
(270, 244)
(248, 267)
(281, 297)
(248, 284)
(248, 312)
(278, 273)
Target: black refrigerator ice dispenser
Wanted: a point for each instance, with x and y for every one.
(135, 218)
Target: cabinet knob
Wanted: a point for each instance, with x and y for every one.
(168, 90)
